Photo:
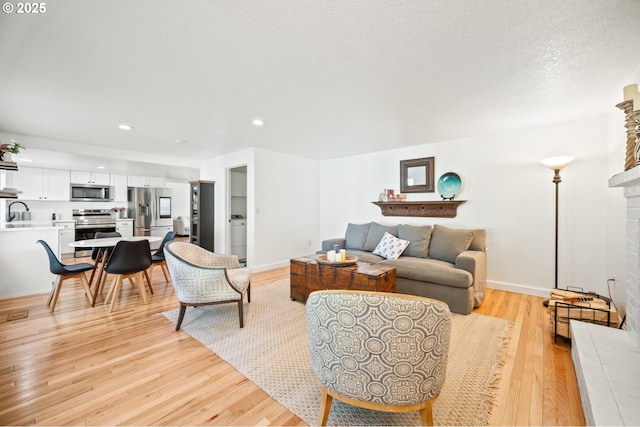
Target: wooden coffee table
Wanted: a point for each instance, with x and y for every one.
(308, 276)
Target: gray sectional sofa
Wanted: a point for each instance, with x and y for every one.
(443, 263)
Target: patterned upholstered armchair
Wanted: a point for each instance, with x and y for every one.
(201, 277)
(379, 351)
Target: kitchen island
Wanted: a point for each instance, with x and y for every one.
(24, 265)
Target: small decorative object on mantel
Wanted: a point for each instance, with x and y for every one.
(437, 209)
(449, 185)
(631, 124)
(397, 198)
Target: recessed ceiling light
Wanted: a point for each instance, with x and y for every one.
(100, 167)
(24, 160)
(124, 126)
(180, 141)
(258, 122)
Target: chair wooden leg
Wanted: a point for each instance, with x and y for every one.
(165, 271)
(87, 289)
(325, 407)
(53, 290)
(95, 264)
(111, 289)
(183, 308)
(141, 289)
(53, 299)
(116, 290)
(146, 274)
(102, 275)
(426, 414)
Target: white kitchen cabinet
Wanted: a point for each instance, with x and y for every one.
(42, 184)
(125, 227)
(119, 184)
(146, 181)
(25, 265)
(66, 235)
(81, 177)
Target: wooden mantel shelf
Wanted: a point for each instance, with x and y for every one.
(438, 209)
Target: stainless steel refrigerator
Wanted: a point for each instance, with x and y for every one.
(150, 209)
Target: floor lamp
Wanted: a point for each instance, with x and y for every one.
(557, 164)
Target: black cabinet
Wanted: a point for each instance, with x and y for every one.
(202, 213)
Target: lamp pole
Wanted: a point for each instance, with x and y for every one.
(557, 164)
(556, 180)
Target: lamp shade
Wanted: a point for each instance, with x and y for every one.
(557, 162)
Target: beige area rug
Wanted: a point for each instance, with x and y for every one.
(272, 351)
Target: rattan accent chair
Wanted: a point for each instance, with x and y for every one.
(379, 351)
(201, 277)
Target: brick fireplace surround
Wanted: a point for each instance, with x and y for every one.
(607, 360)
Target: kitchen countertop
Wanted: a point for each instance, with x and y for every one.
(29, 225)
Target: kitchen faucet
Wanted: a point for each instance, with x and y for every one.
(11, 216)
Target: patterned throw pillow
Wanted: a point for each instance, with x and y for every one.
(390, 246)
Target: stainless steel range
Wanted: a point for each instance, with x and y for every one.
(90, 221)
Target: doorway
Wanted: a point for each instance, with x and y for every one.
(237, 235)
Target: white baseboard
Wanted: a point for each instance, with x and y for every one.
(519, 289)
(271, 266)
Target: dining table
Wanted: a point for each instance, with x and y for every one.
(102, 255)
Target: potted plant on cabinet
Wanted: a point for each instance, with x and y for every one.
(6, 150)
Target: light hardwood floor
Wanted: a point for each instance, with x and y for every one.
(84, 366)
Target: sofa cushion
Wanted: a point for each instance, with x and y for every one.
(390, 246)
(419, 236)
(479, 242)
(365, 256)
(447, 243)
(376, 233)
(430, 270)
(356, 236)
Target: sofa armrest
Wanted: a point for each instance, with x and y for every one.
(475, 262)
(327, 245)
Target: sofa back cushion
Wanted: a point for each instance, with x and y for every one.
(479, 242)
(419, 236)
(376, 233)
(356, 236)
(448, 243)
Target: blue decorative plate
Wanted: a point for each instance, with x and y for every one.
(449, 185)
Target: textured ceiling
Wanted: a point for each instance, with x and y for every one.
(329, 78)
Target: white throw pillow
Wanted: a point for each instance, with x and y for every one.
(390, 246)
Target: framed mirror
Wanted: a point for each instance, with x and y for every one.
(416, 175)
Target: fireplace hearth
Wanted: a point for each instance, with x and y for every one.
(607, 360)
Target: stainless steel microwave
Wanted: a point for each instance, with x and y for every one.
(91, 193)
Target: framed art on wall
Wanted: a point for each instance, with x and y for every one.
(416, 175)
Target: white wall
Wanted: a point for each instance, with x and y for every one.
(286, 207)
(216, 170)
(282, 205)
(181, 204)
(508, 192)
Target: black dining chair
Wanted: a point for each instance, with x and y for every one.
(129, 259)
(64, 272)
(158, 257)
(99, 253)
